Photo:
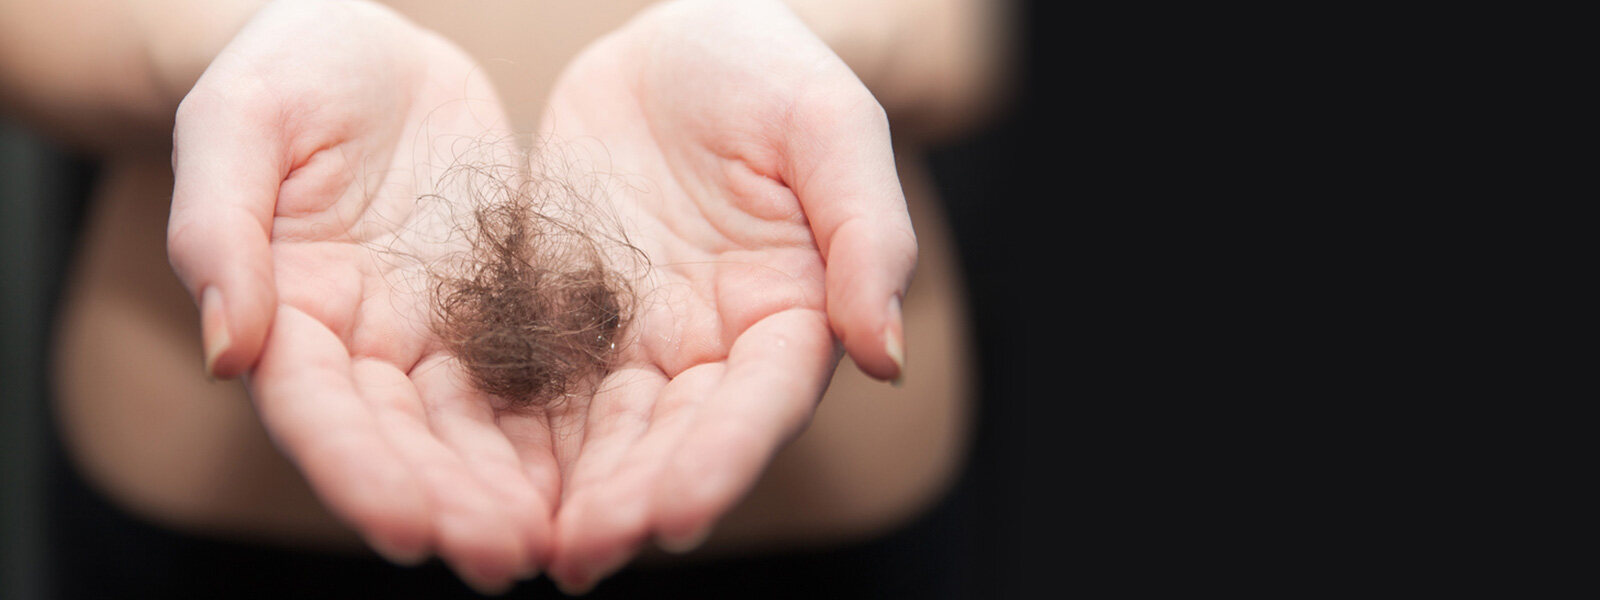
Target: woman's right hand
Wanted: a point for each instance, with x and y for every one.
(299, 157)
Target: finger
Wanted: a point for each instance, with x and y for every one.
(776, 373)
(529, 433)
(470, 528)
(308, 402)
(227, 163)
(616, 417)
(604, 519)
(841, 166)
(464, 421)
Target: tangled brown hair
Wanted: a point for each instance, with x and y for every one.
(533, 310)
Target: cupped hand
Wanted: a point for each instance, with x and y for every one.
(770, 210)
(762, 187)
(299, 157)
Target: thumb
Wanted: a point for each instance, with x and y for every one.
(841, 166)
(227, 165)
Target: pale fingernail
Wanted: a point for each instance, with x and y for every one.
(685, 544)
(894, 341)
(404, 558)
(486, 587)
(214, 327)
(530, 569)
(575, 589)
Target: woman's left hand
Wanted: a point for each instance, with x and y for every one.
(762, 186)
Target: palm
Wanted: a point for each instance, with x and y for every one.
(732, 342)
(766, 201)
(366, 113)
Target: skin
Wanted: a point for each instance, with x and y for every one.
(173, 447)
(278, 254)
(736, 342)
(289, 172)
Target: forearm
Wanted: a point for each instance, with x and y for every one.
(937, 66)
(103, 75)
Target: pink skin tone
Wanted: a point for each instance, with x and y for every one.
(762, 188)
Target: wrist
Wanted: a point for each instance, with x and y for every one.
(936, 66)
(180, 48)
(861, 33)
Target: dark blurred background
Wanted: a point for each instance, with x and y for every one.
(979, 542)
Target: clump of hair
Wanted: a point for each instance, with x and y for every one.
(531, 309)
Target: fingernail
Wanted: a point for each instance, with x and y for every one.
(404, 558)
(575, 589)
(685, 544)
(894, 341)
(214, 325)
(486, 587)
(530, 570)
